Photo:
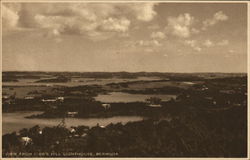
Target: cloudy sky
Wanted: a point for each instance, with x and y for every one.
(162, 37)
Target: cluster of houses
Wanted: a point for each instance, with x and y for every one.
(74, 133)
(106, 106)
(154, 102)
(56, 99)
(7, 99)
(72, 114)
(25, 140)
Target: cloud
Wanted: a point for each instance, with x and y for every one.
(144, 11)
(193, 44)
(223, 43)
(208, 43)
(181, 26)
(113, 24)
(217, 17)
(158, 35)
(10, 18)
(92, 20)
(146, 43)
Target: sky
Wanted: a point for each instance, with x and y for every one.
(133, 37)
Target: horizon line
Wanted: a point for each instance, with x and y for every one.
(128, 71)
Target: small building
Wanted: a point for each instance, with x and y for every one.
(72, 114)
(84, 135)
(5, 97)
(209, 98)
(48, 100)
(102, 126)
(155, 105)
(72, 130)
(29, 97)
(237, 104)
(106, 106)
(26, 140)
(60, 99)
(204, 88)
(76, 135)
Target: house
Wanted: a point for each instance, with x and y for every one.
(76, 135)
(102, 126)
(5, 97)
(237, 104)
(204, 88)
(61, 99)
(48, 100)
(72, 114)
(29, 97)
(26, 140)
(154, 102)
(72, 130)
(106, 106)
(84, 135)
(209, 98)
(155, 105)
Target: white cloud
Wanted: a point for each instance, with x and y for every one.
(193, 44)
(208, 43)
(113, 24)
(88, 19)
(148, 43)
(144, 11)
(223, 43)
(217, 17)
(156, 43)
(181, 26)
(158, 35)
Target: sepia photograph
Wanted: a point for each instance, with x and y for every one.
(124, 79)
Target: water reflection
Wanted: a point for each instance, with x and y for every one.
(17, 121)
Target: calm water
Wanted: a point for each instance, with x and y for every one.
(126, 97)
(16, 121)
